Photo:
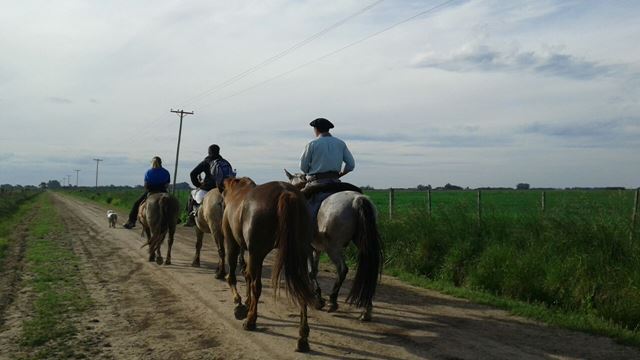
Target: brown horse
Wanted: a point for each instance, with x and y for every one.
(259, 219)
(158, 215)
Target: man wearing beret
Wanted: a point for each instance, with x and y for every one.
(323, 157)
(322, 162)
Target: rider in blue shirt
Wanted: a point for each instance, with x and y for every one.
(156, 180)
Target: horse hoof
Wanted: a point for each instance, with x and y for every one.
(220, 275)
(159, 260)
(152, 258)
(168, 262)
(249, 326)
(320, 303)
(303, 346)
(365, 317)
(195, 263)
(240, 312)
(333, 308)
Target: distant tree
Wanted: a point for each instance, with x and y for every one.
(523, 186)
(6, 187)
(43, 185)
(183, 186)
(54, 184)
(452, 187)
(367, 187)
(423, 187)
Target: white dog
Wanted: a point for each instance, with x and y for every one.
(113, 218)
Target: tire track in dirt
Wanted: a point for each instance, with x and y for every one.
(150, 311)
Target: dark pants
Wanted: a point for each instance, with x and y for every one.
(133, 214)
(316, 200)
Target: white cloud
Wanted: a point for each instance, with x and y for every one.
(91, 80)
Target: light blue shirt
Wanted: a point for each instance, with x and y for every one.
(326, 153)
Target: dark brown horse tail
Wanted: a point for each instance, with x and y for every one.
(370, 256)
(293, 241)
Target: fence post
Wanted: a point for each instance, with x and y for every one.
(479, 208)
(392, 201)
(429, 201)
(634, 214)
(543, 201)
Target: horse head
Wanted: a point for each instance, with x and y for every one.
(297, 180)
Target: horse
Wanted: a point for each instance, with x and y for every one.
(209, 221)
(344, 217)
(259, 219)
(158, 215)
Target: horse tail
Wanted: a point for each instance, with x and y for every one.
(161, 222)
(370, 255)
(293, 240)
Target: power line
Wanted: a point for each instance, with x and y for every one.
(283, 53)
(422, 13)
(260, 65)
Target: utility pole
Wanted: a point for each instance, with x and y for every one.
(175, 171)
(68, 180)
(97, 163)
(77, 172)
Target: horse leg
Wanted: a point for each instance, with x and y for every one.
(366, 313)
(341, 266)
(303, 331)
(152, 254)
(315, 260)
(233, 248)
(218, 238)
(171, 234)
(159, 259)
(255, 274)
(196, 258)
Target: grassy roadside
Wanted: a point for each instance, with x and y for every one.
(588, 323)
(58, 292)
(13, 207)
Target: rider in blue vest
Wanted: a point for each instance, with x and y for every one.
(156, 180)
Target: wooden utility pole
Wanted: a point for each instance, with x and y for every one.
(97, 163)
(392, 202)
(77, 173)
(175, 171)
(634, 213)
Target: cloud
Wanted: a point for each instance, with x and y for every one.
(59, 100)
(484, 58)
(598, 133)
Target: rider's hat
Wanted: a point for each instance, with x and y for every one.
(321, 123)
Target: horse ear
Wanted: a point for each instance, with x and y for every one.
(288, 174)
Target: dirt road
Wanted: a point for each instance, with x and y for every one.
(179, 312)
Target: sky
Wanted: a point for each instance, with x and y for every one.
(474, 93)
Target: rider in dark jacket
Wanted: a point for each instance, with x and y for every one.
(212, 167)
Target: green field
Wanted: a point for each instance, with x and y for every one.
(575, 259)
(12, 206)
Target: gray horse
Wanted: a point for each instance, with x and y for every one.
(345, 217)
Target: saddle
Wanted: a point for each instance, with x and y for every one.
(332, 188)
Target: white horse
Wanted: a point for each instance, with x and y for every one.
(344, 217)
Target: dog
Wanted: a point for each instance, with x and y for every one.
(113, 218)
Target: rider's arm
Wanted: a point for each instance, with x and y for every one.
(349, 162)
(202, 167)
(305, 159)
